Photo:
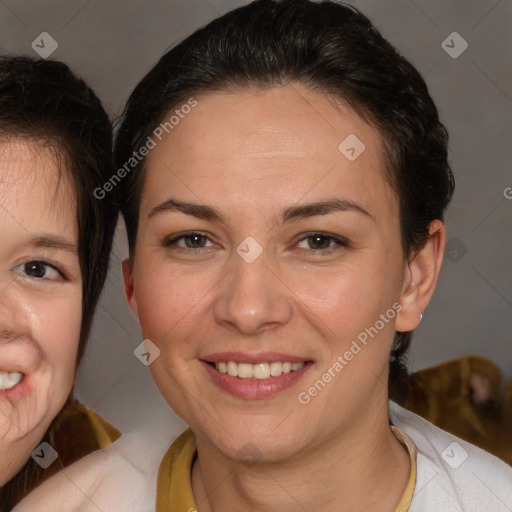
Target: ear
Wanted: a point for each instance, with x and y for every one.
(421, 274)
(129, 290)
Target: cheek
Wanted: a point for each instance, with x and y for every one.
(167, 298)
(59, 333)
(347, 298)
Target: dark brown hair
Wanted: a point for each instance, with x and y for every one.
(333, 49)
(45, 103)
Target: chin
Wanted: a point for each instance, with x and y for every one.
(258, 444)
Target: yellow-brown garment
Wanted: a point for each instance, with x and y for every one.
(74, 433)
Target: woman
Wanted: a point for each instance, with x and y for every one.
(283, 176)
(55, 146)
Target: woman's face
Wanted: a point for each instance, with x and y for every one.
(269, 235)
(40, 298)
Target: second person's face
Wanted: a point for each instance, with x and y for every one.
(263, 251)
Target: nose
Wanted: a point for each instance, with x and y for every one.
(252, 298)
(8, 314)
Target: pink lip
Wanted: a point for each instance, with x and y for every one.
(19, 391)
(256, 388)
(19, 356)
(261, 357)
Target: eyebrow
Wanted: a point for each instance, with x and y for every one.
(322, 208)
(196, 210)
(54, 242)
(291, 213)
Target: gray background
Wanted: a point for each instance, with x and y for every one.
(113, 44)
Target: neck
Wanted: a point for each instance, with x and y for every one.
(349, 470)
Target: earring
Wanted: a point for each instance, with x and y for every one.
(421, 317)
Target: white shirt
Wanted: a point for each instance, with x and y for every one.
(452, 475)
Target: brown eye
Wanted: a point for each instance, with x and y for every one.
(35, 269)
(322, 242)
(195, 240)
(319, 241)
(40, 270)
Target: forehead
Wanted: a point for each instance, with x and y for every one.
(282, 143)
(34, 187)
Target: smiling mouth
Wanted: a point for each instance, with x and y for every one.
(10, 379)
(260, 371)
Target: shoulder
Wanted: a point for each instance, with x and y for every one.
(120, 478)
(452, 474)
(90, 485)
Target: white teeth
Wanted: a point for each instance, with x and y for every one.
(232, 369)
(245, 371)
(257, 371)
(276, 369)
(9, 379)
(261, 371)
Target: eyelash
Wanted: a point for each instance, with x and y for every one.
(339, 241)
